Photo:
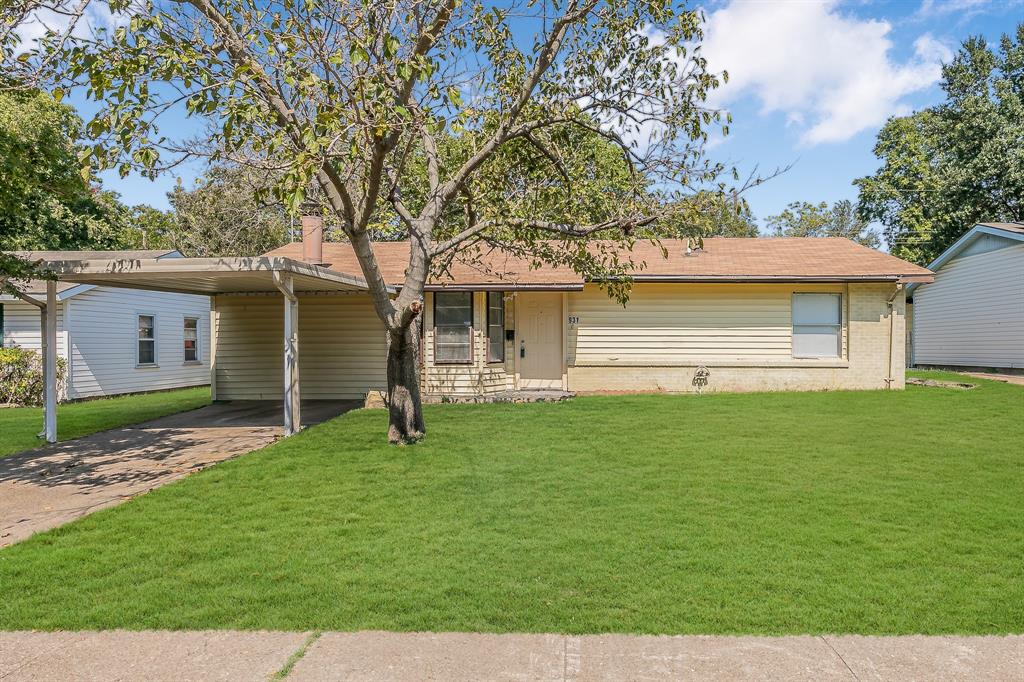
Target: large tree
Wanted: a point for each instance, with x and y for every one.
(343, 95)
(803, 219)
(950, 166)
(46, 203)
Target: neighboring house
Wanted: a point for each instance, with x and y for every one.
(116, 340)
(739, 315)
(972, 315)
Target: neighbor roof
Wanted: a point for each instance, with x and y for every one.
(722, 259)
(1013, 231)
(1006, 227)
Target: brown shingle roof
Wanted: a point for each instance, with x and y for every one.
(722, 259)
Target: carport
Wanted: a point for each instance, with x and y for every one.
(204, 276)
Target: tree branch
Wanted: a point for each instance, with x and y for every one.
(545, 58)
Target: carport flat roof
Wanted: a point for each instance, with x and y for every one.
(205, 275)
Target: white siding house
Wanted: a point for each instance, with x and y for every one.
(972, 315)
(114, 340)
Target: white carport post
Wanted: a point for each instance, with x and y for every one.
(50, 364)
(292, 405)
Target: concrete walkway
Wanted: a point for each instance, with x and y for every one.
(50, 486)
(454, 657)
(1017, 379)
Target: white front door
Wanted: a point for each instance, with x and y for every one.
(539, 346)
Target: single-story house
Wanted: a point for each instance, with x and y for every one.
(751, 314)
(972, 315)
(737, 315)
(115, 340)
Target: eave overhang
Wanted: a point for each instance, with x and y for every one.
(206, 276)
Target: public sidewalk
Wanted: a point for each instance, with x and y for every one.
(225, 655)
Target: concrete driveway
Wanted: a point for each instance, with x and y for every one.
(50, 486)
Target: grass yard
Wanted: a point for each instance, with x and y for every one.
(19, 425)
(869, 512)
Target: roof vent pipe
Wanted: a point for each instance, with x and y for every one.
(313, 239)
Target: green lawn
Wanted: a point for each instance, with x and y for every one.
(19, 425)
(868, 512)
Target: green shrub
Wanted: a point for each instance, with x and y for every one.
(21, 376)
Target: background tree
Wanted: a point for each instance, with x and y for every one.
(803, 219)
(725, 216)
(152, 228)
(224, 215)
(343, 95)
(705, 214)
(46, 202)
(955, 164)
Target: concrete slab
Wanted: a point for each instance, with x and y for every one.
(151, 656)
(918, 657)
(395, 657)
(454, 657)
(18, 649)
(50, 486)
(626, 657)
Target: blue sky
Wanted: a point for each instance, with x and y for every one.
(811, 82)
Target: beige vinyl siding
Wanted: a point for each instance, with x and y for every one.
(103, 324)
(342, 347)
(476, 378)
(658, 342)
(973, 313)
(675, 324)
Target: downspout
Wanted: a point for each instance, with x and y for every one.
(891, 303)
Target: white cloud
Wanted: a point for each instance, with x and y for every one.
(831, 74)
(933, 8)
(97, 15)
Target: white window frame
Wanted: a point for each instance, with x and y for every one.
(156, 341)
(837, 326)
(199, 343)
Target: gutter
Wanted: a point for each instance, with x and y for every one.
(508, 286)
(771, 278)
(697, 279)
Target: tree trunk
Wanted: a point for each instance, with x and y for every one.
(404, 406)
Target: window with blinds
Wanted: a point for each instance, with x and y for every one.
(817, 325)
(453, 327)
